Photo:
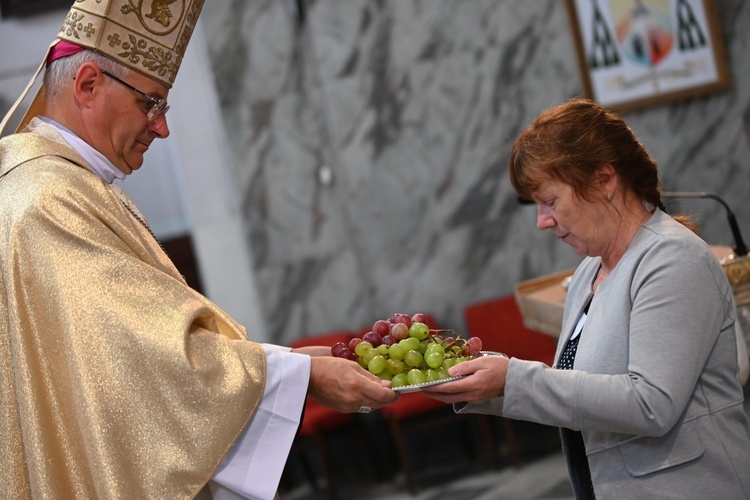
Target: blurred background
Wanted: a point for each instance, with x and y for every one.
(335, 161)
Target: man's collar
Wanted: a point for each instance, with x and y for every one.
(98, 162)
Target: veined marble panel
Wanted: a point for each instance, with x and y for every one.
(371, 141)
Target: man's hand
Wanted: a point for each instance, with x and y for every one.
(313, 350)
(345, 386)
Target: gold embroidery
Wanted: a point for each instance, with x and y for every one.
(114, 40)
(154, 58)
(72, 25)
(160, 12)
(191, 19)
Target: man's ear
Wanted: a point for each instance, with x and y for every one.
(86, 83)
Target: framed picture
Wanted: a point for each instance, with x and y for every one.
(637, 53)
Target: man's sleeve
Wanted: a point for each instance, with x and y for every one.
(253, 465)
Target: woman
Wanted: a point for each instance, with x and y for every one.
(645, 385)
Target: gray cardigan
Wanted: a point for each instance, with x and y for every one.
(654, 388)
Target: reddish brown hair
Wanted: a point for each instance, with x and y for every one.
(569, 142)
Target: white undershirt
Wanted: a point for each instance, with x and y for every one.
(579, 326)
(253, 465)
(94, 158)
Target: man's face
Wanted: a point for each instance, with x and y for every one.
(122, 130)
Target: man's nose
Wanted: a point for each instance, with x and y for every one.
(160, 126)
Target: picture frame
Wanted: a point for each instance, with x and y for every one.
(638, 53)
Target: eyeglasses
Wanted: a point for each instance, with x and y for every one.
(158, 106)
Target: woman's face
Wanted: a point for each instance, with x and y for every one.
(575, 221)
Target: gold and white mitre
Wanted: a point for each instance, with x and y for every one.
(147, 36)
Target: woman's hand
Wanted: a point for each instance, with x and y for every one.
(484, 379)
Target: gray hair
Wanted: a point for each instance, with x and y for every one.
(61, 71)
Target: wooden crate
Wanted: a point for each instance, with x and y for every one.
(738, 273)
(542, 300)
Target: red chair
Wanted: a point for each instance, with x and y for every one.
(320, 421)
(499, 323)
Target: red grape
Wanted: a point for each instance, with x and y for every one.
(419, 318)
(399, 331)
(401, 318)
(381, 327)
(353, 342)
(346, 353)
(373, 338)
(475, 343)
(388, 340)
(336, 348)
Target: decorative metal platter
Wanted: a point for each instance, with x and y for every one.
(419, 387)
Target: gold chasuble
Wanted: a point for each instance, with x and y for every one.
(117, 380)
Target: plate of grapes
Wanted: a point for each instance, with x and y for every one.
(406, 351)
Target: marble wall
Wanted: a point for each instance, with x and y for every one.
(371, 140)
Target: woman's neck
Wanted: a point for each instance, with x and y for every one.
(626, 228)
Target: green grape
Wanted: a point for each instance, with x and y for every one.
(442, 373)
(415, 376)
(396, 351)
(385, 375)
(423, 344)
(435, 347)
(395, 366)
(399, 380)
(362, 363)
(433, 375)
(369, 355)
(410, 343)
(448, 363)
(382, 349)
(376, 364)
(413, 358)
(362, 348)
(419, 331)
(434, 359)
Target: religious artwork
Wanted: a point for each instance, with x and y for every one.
(635, 53)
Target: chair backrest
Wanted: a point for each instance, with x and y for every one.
(498, 322)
